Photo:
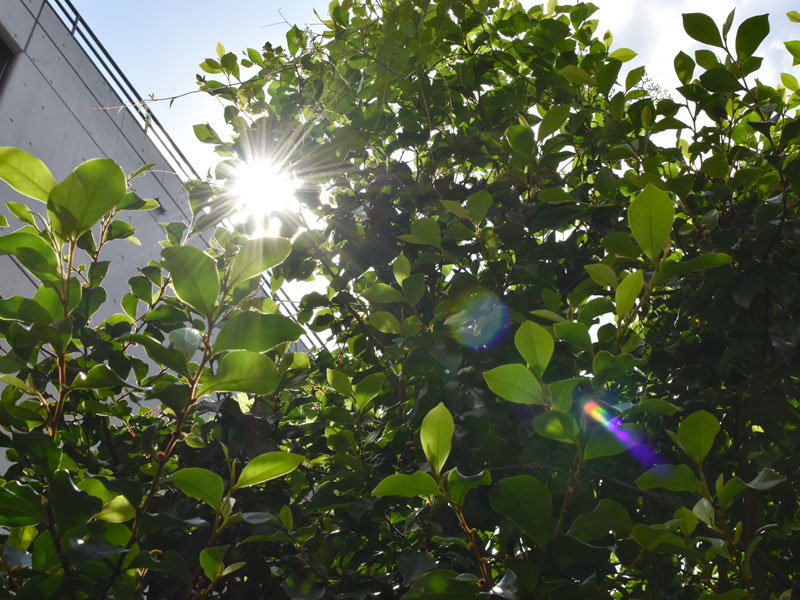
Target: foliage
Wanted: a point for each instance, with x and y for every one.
(562, 315)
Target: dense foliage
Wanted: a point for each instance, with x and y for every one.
(562, 314)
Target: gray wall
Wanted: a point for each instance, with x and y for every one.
(53, 104)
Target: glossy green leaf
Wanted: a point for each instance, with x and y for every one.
(478, 204)
(697, 432)
(561, 393)
(266, 467)
(458, 484)
(385, 322)
(750, 34)
(535, 344)
(117, 510)
(427, 230)
(765, 480)
(607, 516)
(211, 561)
(576, 334)
(339, 382)
(575, 74)
(99, 376)
(678, 478)
(72, 507)
(514, 383)
(650, 217)
(556, 425)
(383, 294)
(185, 339)
(194, 277)
(623, 54)
(443, 584)
(408, 486)
(25, 173)
(368, 388)
(242, 371)
(200, 483)
(401, 269)
(553, 120)
(257, 256)
(95, 188)
(702, 28)
(673, 268)
(684, 67)
(256, 332)
(607, 366)
(627, 293)
(526, 501)
(33, 253)
(521, 140)
(436, 435)
(602, 275)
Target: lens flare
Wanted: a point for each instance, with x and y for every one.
(628, 439)
(480, 322)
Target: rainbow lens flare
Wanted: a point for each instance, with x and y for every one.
(480, 322)
(629, 440)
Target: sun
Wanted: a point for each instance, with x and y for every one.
(262, 189)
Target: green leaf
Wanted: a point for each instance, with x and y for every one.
(793, 47)
(117, 510)
(678, 478)
(793, 16)
(514, 383)
(194, 277)
(720, 81)
(25, 173)
(553, 120)
(702, 28)
(673, 268)
(607, 515)
(650, 217)
(211, 561)
(458, 485)
(368, 388)
(684, 67)
(340, 382)
(427, 230)
(561, 393)
(436, 435)
(521, 140)
(385, 322)
(22, 212)
(242, 371)
(256, 332)
(199, 483)
(627, 293)
(525, 501)
(206, 134)
(535, 344)
(558, 426)
(554, 195)
(750, 34)
(267, 467)
(575, 74)
(765, 480)
(257, 256)
(39, 449)
(443, 584)
(623, 54)
(602, 274)
(33, 253)
(383, 294)
(185, 339)
(576, 334)
(93, 189)
(697, 432)
(607, 366)
(408, 486)
(295, 40)
(401, 268)
(72, 507)
(414, 287)
(99, 376)
(478, 204)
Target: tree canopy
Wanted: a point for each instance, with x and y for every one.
(562, 320)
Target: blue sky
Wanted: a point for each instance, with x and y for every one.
(158, 44)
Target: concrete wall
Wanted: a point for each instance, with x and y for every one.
(53, 104)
